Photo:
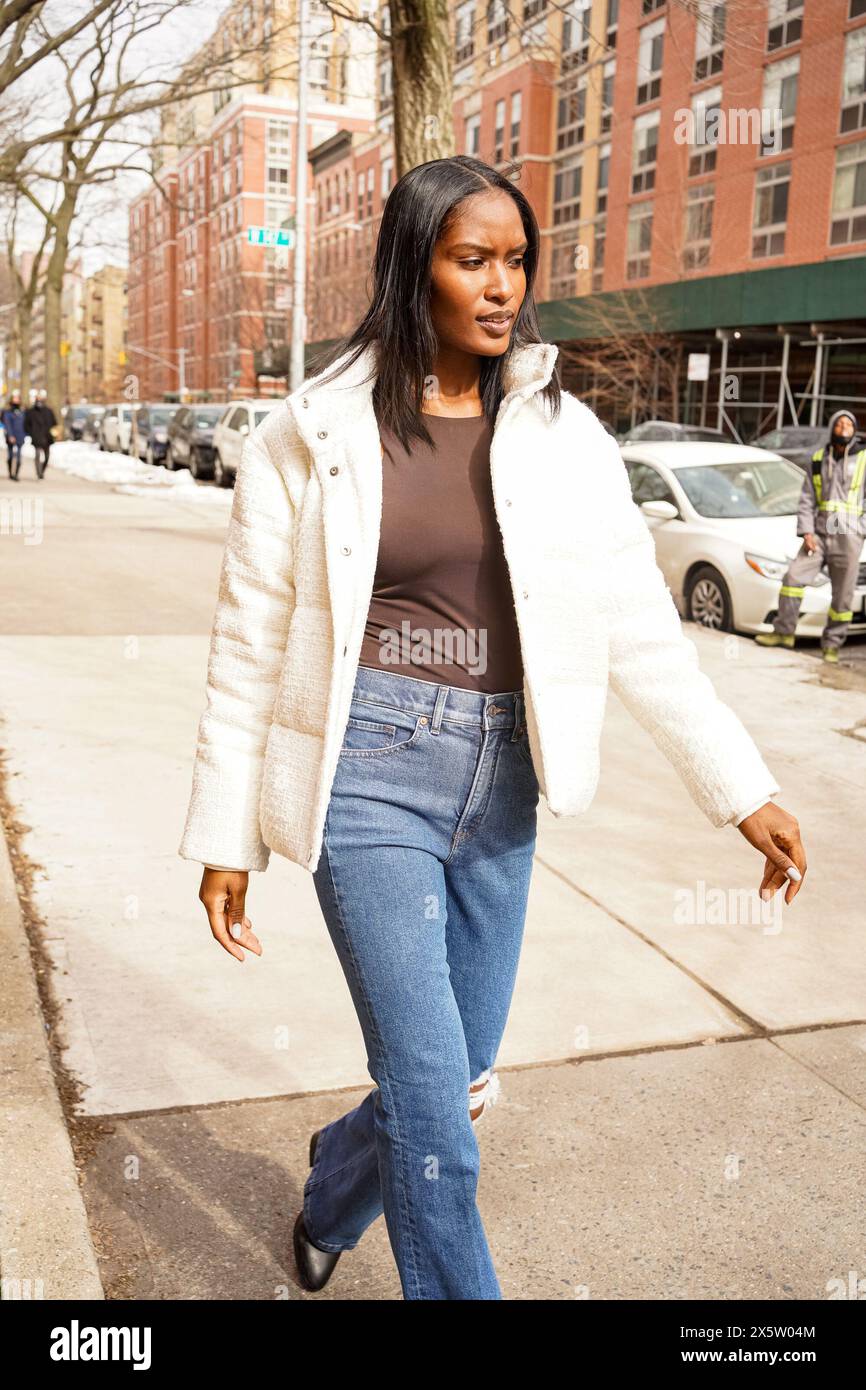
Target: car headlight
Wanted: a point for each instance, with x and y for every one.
(777, 569)
(763, 565)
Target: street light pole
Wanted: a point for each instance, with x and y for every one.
(296, 360)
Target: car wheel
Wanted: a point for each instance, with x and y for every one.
(197, 467)
(709, 600)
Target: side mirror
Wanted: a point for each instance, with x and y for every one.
(663, 511)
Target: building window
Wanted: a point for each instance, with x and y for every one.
(499, 133)
(650, 55)
(571, 113)
(699, 226)
(276, 215)
(650, 6)
(387, 177)
(279, 140)
(598, 255)
(639, 237)
(278, 181)
(602, 178)
(464, 33)
(710, 41)
(531, 8)
(854, 82)
(320, 55)
(856, 8)
(516, 104)
(786, 23)
(473, 134)
(360, 197)
(575, 35)
(566, 192)
(563, 270)
(779, 102)
(612, 21)
(386, 91)
(607, 80)
(849, 195)
(497, 21)
(706, 113)
(371, 179)
(771, 209)
(645, 148)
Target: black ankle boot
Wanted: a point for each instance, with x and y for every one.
(314, 1266)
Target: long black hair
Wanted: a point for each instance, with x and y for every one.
(398, 323)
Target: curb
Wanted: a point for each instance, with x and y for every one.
(46, 1251)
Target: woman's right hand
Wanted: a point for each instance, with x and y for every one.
(223, 892)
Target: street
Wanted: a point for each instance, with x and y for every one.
(681, 1113)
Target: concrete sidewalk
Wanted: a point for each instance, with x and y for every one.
(626, 1157)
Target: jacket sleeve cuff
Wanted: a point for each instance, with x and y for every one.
(741, 815)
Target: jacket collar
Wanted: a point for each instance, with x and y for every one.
(344, 400)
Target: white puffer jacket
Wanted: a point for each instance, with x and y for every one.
(297, 576)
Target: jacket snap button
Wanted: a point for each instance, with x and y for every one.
(305, 402)
(323, 434)
(508, 501)
(345, 550)
(526, 593)
(335, 469)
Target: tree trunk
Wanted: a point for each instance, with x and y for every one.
(53, 293)
(24, 334)
(422, 81)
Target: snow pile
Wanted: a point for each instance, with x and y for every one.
(131, 475)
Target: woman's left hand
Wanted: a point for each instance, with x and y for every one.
(777, 835)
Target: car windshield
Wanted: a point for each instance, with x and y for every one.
(695, 433)
(161, 414)
(765, 487)
(207, 415)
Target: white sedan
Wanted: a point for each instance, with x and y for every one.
(234, 427)
(724, 522)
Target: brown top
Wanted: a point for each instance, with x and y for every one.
(442, 607)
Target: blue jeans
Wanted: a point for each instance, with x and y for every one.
(423, 882)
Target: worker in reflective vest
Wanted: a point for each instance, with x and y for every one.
(830, 520)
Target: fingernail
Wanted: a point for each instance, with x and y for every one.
(236, 930)
(794, 873)
(766, 893)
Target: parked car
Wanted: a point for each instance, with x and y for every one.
(794, 442)
(116, 428)
(235, 426)
(190, 437)
(150, 431)
(724, 522)
(657, 431)
(74, 419)
(93, 423)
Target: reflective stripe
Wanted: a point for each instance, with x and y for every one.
(791, 591)
(851, 503)
(839, 617)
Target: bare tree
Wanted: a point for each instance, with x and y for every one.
(25, 288)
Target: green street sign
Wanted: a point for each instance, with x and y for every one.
(270, 236)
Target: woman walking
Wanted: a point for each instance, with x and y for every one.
(434, 571)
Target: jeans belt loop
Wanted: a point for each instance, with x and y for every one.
(439, 708)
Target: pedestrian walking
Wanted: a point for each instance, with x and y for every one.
(15, 432)
(414, 639)
(830, 520)
(40, 424)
